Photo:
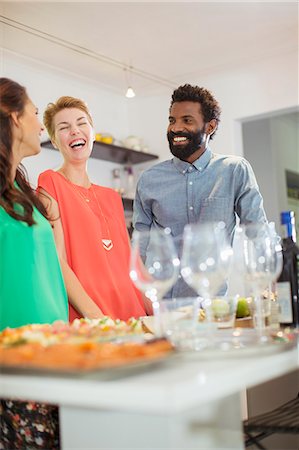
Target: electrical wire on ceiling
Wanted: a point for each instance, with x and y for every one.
(85, 51)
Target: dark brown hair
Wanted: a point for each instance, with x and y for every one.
(13, 98)
(209, 106)
(64, 102)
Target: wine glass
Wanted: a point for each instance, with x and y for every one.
(260, 265)
(154, 265)
(276, 248)
(205, 261)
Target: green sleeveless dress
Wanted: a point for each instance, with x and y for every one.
(31, 285)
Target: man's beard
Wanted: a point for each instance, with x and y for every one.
(184, 151)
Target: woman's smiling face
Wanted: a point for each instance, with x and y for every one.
(74, 134)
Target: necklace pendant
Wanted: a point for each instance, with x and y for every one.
(107, 244)
(87, 200)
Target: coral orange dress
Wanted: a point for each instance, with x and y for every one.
(89, 217)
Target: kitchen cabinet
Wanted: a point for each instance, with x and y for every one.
(114, 153)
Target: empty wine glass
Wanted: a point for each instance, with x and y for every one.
(276, 248)
(205, 261)
(154, 265)
(260, 265)
(275, 239)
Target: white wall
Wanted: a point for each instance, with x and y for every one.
(272, 146)
(258, 149)
(268, 85)
(285, 144)
(45, 84)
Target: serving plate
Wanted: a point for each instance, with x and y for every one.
(236, 343)
(112, 372)
(85, 359)
(212, 341)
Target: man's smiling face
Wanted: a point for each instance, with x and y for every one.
(186, 130)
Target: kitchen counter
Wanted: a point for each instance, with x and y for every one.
(186, 402)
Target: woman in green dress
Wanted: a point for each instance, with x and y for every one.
(31, 284)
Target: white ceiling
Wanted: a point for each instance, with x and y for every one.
(168, 42)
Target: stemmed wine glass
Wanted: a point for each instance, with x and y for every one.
(205, 261)
(276, 248)
(154, 265)
(261, 259)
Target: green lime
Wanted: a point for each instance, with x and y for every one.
(242, 308)
(220, 308)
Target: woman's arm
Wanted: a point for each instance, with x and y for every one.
(147, 305)
(78, 297)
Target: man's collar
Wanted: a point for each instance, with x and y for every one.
(200, 164)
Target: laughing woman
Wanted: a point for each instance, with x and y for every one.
(31, 283)
(88, 221)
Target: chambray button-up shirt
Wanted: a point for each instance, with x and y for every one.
(214, 188)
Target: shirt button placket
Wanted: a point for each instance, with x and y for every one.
(190, 195)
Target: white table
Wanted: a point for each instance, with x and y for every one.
(187, 403)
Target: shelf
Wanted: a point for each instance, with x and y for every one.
(114, 153)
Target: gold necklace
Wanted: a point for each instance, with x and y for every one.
(86, 199)
(107, 243)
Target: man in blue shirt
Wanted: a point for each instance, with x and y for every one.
(196, 185)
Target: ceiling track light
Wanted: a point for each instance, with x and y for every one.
(130, 93)
(85, 51)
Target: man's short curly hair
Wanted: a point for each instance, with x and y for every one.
(209, 106)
